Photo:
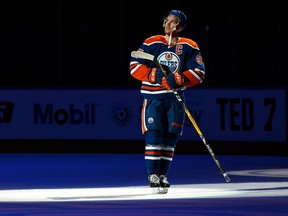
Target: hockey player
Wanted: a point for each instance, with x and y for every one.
(162, 114)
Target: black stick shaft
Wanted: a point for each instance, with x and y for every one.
(225, 175)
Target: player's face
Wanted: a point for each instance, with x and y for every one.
(170, 23)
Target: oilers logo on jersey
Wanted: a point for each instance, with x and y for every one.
(171, 60)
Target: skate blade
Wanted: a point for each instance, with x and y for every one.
(159, 190)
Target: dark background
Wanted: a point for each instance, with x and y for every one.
(88, 43)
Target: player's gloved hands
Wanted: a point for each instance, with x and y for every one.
(173, 80)
(155, 76)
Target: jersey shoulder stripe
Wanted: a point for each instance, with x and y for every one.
(155, 39)
(189, 42)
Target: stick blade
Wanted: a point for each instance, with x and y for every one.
(142, 55)
(226, 177)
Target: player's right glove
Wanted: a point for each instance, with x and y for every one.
(155, 76)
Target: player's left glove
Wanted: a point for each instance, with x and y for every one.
(173, 80)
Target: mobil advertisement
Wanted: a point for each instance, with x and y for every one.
(115, 114)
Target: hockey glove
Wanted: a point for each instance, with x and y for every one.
(173, 80)
(155, 76)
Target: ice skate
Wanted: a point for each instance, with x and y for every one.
(164, 184)
(154, 183)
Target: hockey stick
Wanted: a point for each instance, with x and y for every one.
(143, 55)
